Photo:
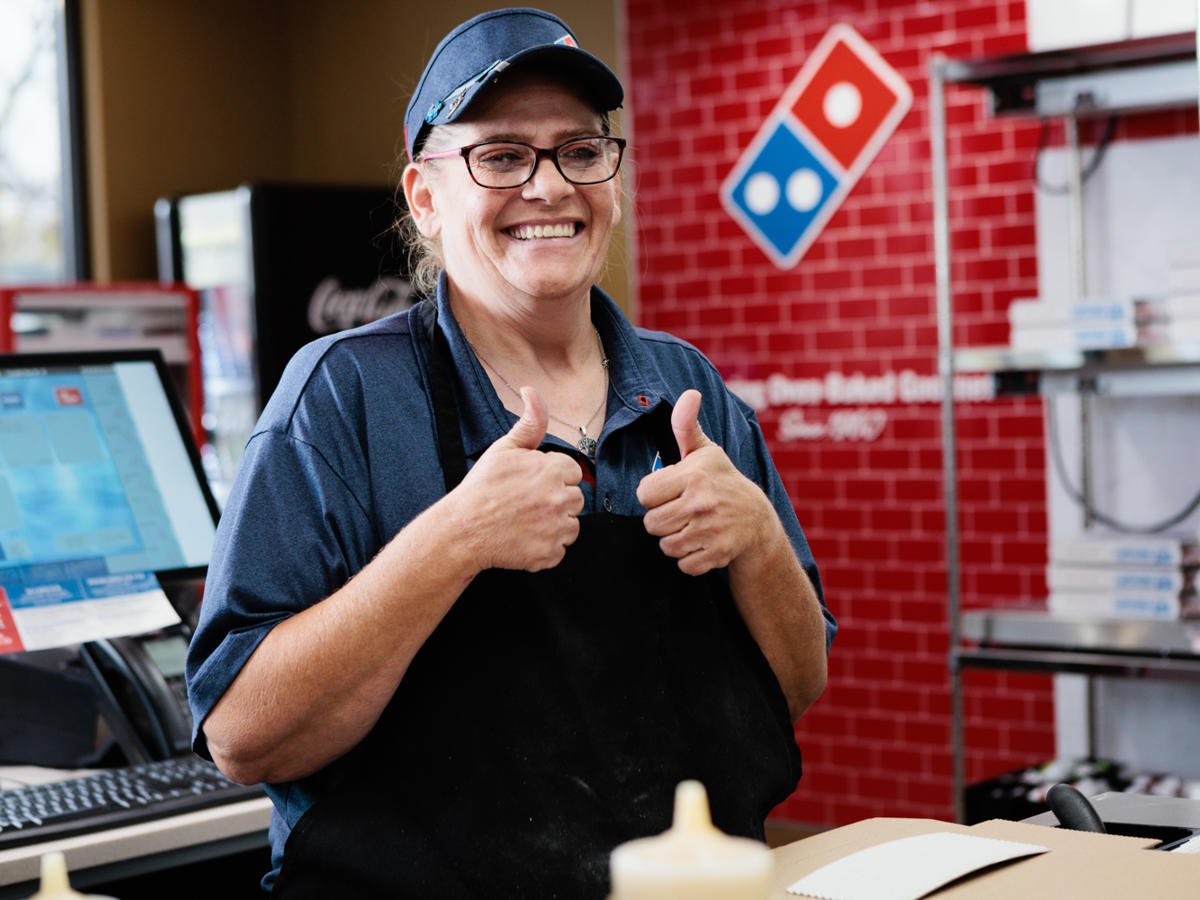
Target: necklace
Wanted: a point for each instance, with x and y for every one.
(586, 443)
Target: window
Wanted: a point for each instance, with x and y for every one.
(40, 185)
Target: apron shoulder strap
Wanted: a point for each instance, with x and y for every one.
(450, 446)
(664, 437)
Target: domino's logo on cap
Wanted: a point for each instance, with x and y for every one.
(831, 122)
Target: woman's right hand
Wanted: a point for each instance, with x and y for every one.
(518, 507)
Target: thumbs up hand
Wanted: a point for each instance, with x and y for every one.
(685, 422)
(529, 430)
(706, 512)
(518, 508)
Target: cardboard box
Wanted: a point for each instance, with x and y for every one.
(1125, 550)
(1082, 337)
(1079, 866)
(1110, 579)
(1115, 605)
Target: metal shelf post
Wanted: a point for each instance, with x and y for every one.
(945, 324)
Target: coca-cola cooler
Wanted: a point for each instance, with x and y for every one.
(275, 265)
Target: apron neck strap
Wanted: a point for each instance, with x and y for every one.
(445, 408)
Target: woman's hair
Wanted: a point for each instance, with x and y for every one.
(425, 253)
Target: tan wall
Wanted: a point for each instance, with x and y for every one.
(199, 95)
(179, 97)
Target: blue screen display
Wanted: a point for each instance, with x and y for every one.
(95, 477)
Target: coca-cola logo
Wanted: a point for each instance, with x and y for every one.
(336, 308)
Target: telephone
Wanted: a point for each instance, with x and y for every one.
(142, 696)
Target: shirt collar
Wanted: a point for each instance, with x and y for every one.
(633, 379)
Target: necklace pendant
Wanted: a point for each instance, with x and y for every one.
(586, 445)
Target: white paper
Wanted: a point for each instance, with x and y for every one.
(908, 868)
(1191, 845)
(72, 610)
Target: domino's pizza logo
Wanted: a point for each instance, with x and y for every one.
(832, 120)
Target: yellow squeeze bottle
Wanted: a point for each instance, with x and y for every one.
(55, 885)
(692, 859)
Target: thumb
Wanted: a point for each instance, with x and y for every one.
(529, 430)
(685, 423)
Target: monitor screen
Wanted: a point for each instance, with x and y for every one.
(99, 474)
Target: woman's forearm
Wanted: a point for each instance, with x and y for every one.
(780, 606)
(319, 680)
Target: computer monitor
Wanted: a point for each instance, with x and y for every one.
(99, 475)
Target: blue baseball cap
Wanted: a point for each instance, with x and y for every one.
(479, 50)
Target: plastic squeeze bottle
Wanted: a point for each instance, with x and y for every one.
(692, 859)
(55, 885)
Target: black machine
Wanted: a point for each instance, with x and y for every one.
(103, 501)
(143, 693)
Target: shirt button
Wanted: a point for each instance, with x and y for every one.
(607, 503)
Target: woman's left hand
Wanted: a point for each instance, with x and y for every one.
(706, 512)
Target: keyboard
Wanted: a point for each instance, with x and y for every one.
(114, 797)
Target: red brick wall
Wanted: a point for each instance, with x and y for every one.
(703, 75)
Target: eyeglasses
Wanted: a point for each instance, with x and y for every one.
(509, 164)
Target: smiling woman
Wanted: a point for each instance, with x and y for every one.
(500, 261)
(500, 571)
(484, 162)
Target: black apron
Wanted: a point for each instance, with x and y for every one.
(549, 718)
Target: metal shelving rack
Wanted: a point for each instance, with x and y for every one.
(1130, 76)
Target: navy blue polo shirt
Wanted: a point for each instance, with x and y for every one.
(345, 455)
